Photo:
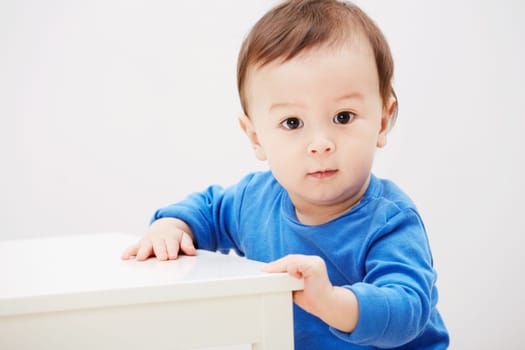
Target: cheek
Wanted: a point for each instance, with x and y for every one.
(282, 157)
(276, 154)
(273, 145)
(365, 159)
(359, 150)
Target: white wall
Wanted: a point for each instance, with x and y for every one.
(110, 109)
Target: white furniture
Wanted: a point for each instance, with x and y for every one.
(75, 292)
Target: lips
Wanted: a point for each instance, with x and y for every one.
(323, 174)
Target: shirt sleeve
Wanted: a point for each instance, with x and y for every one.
(212, 216)
(397, 295)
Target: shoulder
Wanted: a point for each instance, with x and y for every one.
(394, 218)
(386, 201)
(258, 197)
(255, 186)
(258, 179)
(386, 192)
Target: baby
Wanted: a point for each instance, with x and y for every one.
(315, 84)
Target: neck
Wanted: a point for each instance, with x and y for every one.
(319, 213)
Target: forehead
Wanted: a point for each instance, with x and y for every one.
(337, 68)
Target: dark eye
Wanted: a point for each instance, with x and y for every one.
(292, 123)
(344, 117)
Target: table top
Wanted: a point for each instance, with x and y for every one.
(84, 271)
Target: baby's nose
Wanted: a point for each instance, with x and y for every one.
(321, 145)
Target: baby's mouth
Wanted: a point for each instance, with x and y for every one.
(323, 174)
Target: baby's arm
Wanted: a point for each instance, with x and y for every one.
(337, 306)
(164, 239)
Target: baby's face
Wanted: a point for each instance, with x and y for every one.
(317, 119)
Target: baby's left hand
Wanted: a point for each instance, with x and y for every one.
(317, 287)
(337, 306)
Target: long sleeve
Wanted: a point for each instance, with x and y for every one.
(378, 250)
(396, 295)
(212, 215)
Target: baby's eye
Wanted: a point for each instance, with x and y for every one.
(344, 117)
(292, 123)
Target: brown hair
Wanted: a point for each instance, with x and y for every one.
(296, 25)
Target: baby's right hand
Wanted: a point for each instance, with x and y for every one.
(164, 239)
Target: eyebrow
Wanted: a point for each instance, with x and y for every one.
(350, 96)
(285, 105)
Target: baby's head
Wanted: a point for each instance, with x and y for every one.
(315, 81)
(299, 25)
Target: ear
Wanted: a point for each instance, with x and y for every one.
(386, 119)
(249, 129)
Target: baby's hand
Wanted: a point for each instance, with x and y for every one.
(317, 286)
(337, 306)
(164, 239)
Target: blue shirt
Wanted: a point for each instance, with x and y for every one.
(379, 250)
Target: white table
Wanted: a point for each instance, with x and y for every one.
(74, 292)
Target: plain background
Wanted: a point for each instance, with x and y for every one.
(110, 109)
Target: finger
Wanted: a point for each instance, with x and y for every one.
(300, 266)
(187, 245)
(289, 264)
(145, 250)
(159, 248)
(275, 266)
(130, 251)
(172, 247)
